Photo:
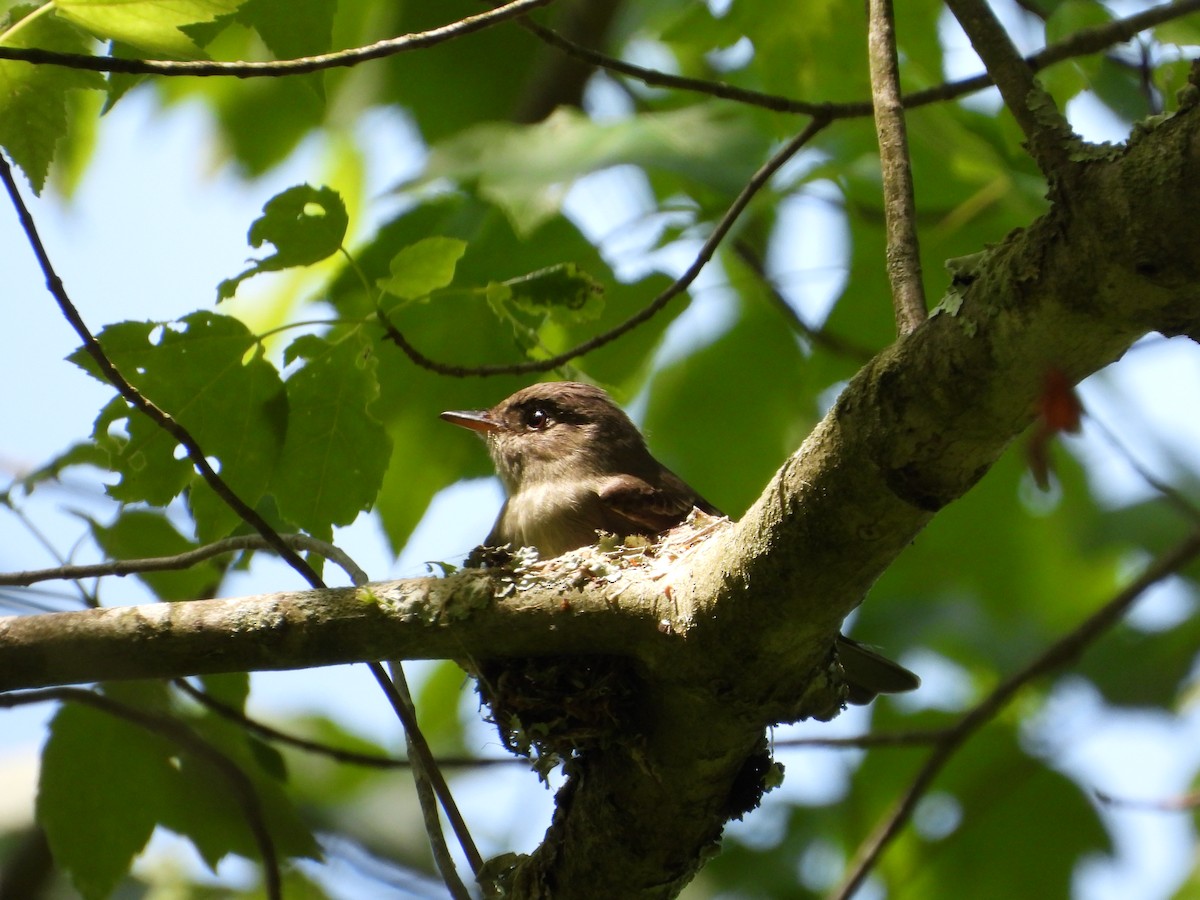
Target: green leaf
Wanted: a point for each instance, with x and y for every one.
(291, 28)
(438, 700)
(231, 688)
(196, 370)
(422, 268)
(98, 794)
(305, 224)
(336, 451)
(152, 25)
(33, 99)
(564, 291)
(81, 454)
(142, 533)
(1071, 16)
(717, 380)
(526, 170)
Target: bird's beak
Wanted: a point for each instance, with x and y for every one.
(476, 419)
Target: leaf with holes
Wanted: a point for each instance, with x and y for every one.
(306, 225)
(197, 371)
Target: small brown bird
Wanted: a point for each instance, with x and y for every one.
(572, 464)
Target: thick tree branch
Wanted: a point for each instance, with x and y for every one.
(899, 206)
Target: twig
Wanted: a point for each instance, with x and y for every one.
(819, 336)
(1184, 803)
(123, 567)
(921, 738)
(114, 377)
(1047, 133)
(1082, 43)
(276, 68)
(429, 803)
(425, 766)
(899, 207)
(1170, 494)
(196, 454)
(1062, 651)
(757, 181)
(89, 598)
(340, 754)
(183, 736)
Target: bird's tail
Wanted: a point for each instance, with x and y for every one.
(869, 674)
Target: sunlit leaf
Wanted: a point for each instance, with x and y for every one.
(33, 99)
(421, 268)
(152, 25)
(305, 224)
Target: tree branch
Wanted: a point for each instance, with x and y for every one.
(201, 68)
(1084, 42)
(182, 736)
(138, 400)
(756, 183)
(1064, 651)
(1048, 136)
(899, 207)
(123, 567)
(734, 634)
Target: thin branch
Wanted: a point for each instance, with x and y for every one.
(720, 89)
(899, 206)
(318, 748)
(429, 806)
(1047, 133)
(425, 766)
(1082, 43)
(1183, 803)
(196, 454)
(184, 737)
(819, 336)
(756, 183)
(1170, 494)
(161, 418)
(1061, 652)
(276, 68)
(123, 567)
(920, 738)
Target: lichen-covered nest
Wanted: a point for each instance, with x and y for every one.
(553, 709)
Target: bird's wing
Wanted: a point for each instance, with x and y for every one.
(634, 506)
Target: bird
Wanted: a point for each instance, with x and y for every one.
(572, 463)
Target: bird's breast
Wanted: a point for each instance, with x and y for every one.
(552, 517)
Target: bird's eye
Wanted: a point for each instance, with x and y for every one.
(537, 419)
